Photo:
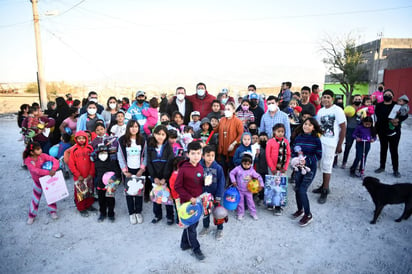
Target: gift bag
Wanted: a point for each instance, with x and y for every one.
(134, 186)
(84, 189)
(54, 187)
(160, 194)
(276, 190)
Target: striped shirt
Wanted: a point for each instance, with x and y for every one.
(311, 148)
(268, 121)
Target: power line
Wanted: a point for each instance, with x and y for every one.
(74, 6)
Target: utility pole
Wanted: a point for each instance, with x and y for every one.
(39, 53)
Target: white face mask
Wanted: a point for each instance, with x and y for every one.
(91, 111)
(180, 97)
(103, 156)
(112, 105)
(201, 92)
(272, 107)
(93, 100)
(228, 113)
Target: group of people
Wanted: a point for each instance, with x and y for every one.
(177, 143)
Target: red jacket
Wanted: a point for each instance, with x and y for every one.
(189, 181)
(272, 153)
(79, 161)
(204, 106)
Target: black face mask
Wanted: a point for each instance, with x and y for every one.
(357, 103)
(253, 131)
(252, 104)
(140, 101)
(262, 144)
(387, 98)
(380, 88)
(165, 123)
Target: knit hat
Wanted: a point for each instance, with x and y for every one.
(204, 121)
(225, 91)
(298, 108)
(405, 98)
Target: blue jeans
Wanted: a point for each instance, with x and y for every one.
(359, 155)
(189, 238)
(302, 183)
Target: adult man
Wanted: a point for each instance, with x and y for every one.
(202, 100)
(254, 107)
(307, 106)
(332, 120)
(92, 97)
(314, 97)
(272, 117)
(351, 124)
(135, 110)
(284, 96)
(181, 104)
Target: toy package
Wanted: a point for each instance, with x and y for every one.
(276, 190)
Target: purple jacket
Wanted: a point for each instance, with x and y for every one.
(365, 133)
(238, 175)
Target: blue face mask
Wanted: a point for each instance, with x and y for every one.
(224, 100)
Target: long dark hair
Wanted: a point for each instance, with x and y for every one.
(317, 131)
(107, 104)
(369, 119)
(127, 136)
(31, 146)
(152, 140)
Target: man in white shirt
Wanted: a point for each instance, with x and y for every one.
(180, 104)
(332, 120)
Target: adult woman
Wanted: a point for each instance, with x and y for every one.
(87, 121)
(109, 114)
(388, 137)
(62, 111)
(70, 122)
(230, 130)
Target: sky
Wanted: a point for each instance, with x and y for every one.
(160, 44)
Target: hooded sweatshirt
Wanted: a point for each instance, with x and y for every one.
(218, 179)
(79, 161)
(189, 181)
(35, 166)
(237, 158)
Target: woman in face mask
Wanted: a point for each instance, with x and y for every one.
(230, 131)
(109, 114)
(389, 134)
(87, 121)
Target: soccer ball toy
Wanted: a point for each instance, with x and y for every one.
(253, 186)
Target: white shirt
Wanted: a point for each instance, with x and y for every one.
(133, 155)
(181, 106)
(118, 131)
(329, 120)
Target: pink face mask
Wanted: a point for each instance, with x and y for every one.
(245, 108)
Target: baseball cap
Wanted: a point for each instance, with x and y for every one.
(253, 96)
(225, 90)
(195, 113)
(140, 93)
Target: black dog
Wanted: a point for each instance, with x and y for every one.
(383, 194)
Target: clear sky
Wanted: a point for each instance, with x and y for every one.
(160, 44)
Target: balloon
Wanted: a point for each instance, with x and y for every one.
(349, 111)
(106, 177)
(54, 151)
(219, 212)
(68, 130)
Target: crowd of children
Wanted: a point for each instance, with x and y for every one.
(159, 151)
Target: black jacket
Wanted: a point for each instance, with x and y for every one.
(160, 165)
(172, 107)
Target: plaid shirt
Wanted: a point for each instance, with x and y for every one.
(268, 121)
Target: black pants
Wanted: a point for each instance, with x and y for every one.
(157, 210)
(134, 203)
(392, 142)
(189, 238)
(106, 204)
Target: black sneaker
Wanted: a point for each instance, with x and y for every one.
(305, 220)
(297, 214)
(323, 196)
(84, 213)
(111, 219)
(318, 190)
(170, 221)
(379, 170)
(92, 209)
(101, 218)
(156, 220)
(199, 255)
(396, 174)
(278, 211)
(352, 173)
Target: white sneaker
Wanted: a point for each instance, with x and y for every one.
(139, 218)
(240, 217)
(204, 232)
(133, 220)
(54, 216)
(255, 217)
(30, 221)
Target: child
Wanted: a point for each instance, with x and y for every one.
(244, 114)
(34, 158)
(402, 112)
(206, 133)
(177, 148)
(245, 145)
(278, 155)
(240, 176)
(367, 107)
(64, 144)
(36, 127)
(159, 164)
(307, 138)
(172, 181)
(189, 186)
(103, 164)
(103, 139)
(215, 110)
(187, 137)
(152, 116)
(364, 134)
(255, 145)
(260, 160)
(83, 169)
(214, 184)
(119, 129)
(132, 161)
(195, 123)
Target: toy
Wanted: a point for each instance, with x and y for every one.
(298, 163)
(54, 150)
(253, 186)
(190, 214)
(276, 187)
(349, 111)
(84, 189)
(207, 202)
(110, 181)
(231, 198)
(48, 165)
(134, 186)
(220, 215)
(160, 194)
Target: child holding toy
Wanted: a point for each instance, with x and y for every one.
(306, 136)
(34, 158)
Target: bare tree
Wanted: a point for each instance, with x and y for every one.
(345, 62)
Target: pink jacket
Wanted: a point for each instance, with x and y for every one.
(272, 153)
(151, 115)
(35, 166)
